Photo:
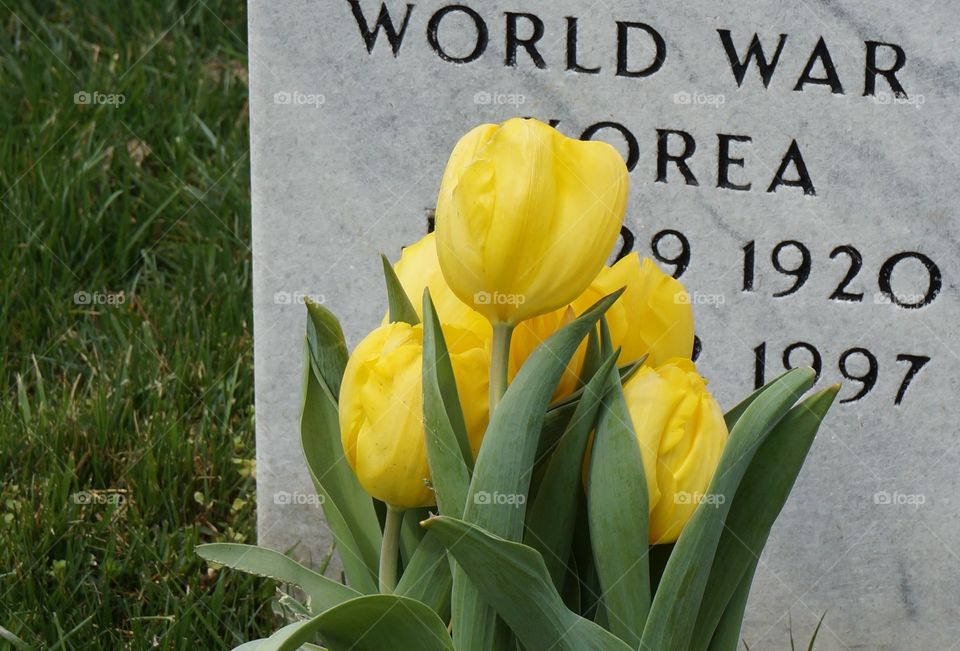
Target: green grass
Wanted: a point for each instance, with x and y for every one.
(142, 409)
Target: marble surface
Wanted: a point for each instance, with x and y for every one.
(348, 145)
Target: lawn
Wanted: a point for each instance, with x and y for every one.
(126, 427)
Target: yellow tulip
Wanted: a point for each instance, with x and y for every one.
(526, 217)
(418, 269)
(681, 432)
(533, 332)
(653, 317)
(381, 409)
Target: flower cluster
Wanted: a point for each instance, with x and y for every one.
(526, 219)
(503, 461)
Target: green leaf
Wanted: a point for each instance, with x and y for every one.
(726, 637)
(324, 593)
(349, 511)
(328, 350)
(606, 340)
(427, 578)
(514, 579)
(401, 309)
(762, 493)
(559, 414)
(618, 509)
(448, 448)
(592, 359)
(677, 601)
(591, 606)
(369, 623)
(411, 533)
(501, 478)
(553, 512)
(732, 416)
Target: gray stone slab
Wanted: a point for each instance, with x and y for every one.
(348, 144)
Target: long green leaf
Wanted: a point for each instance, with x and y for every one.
(758, 501)
(514, 579)
(559, 414)
(411, 533)
(501, 478)
(592, 359)
(349, 511)
(675, 606)
(726, 637)
(732, 416)
(328, 349)
(591, 605)
(448, 448)
(618, 509)
(324, 593)
(254, 645)
(369, 623)
(427, 578)
(553, 512)
(401, 309)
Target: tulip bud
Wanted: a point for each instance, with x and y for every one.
(681, 432)
(526, 217)
(653, 317)
(381, 409)
(419, 269)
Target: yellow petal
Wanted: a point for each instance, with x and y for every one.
(526, 218)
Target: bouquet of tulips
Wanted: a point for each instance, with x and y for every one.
(523, 454)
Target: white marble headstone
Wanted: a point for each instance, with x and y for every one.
(808, 198)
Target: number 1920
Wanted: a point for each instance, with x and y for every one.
(800, 272)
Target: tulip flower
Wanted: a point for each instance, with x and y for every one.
(653, 317)
(526, 217)
(681, 432)
(419, 269)
(381, 409)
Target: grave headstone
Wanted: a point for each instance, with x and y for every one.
(795, 165)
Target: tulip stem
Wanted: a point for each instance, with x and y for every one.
(499, 363)
(389, 550)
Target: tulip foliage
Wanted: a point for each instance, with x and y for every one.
(544, 472)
